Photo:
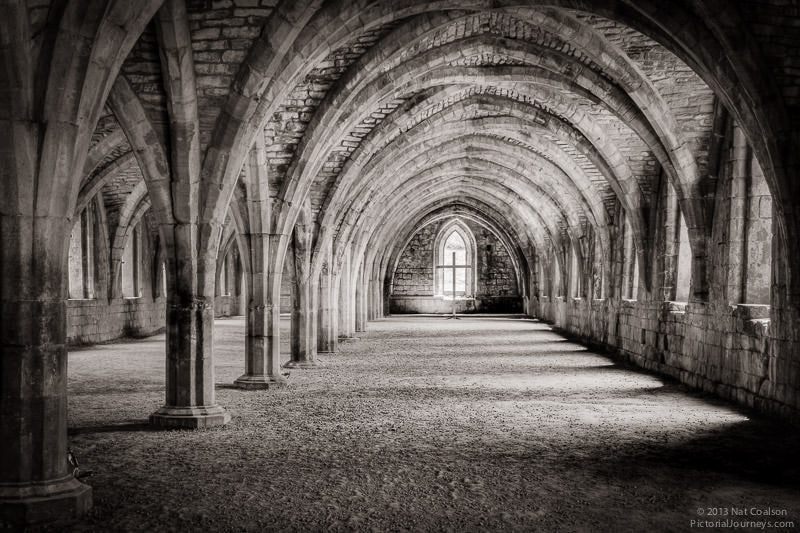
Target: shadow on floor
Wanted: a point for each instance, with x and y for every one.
(758, 451)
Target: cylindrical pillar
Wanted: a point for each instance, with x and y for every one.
(327, 331)
(36, 483)
(190, 399)
(263, 341)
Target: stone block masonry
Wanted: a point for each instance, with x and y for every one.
(414, 278)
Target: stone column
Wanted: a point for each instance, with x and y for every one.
(241, 286)
(327, 332)
(360, 303)
(262, 365)
(190, 398)
(262, 344)
(373, 306)
(377, 290)
(533, 288)
(345, 299)
(36, 483)
(386, 296)
(304, 342)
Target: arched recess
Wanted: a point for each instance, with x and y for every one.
(383, 243)
(444, 262)
(136, 205)
(383, 260)
(380, 229)
(231, 236)
(241, 229)
(235, 231)
(524, 215)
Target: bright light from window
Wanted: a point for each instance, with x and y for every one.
(454, 248)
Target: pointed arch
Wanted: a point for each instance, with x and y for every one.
(453, 235)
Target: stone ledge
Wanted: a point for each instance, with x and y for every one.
(675, 307)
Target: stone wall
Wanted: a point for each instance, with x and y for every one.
(414, 273)
(725, 344)
(722, 349)
(229, 305)
(413, 282)
(93, 321)
(103, 318)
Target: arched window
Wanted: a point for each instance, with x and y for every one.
(164, 279)
(683, 276)
(630, 265)
(455, 261)
(750, 229)
(131, 264)
(574, 273)
(599, 271)
(81, 256)
(224, 277)
(556, 286)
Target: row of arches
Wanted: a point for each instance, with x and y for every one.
(334, 128)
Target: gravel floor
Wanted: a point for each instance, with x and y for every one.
(423, 424)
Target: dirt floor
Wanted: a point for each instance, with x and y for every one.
(481, 424)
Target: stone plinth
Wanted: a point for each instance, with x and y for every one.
(57, 501)
(190, 417)
(249, 382)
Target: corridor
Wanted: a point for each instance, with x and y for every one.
(484, 423)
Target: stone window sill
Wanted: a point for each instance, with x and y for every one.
(751, 311)
(751, 319)
(677, 308)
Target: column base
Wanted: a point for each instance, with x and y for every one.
(248, 382)
(60, 501)
(190, 417)
(301, 364)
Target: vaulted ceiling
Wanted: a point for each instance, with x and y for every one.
(551, 120)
